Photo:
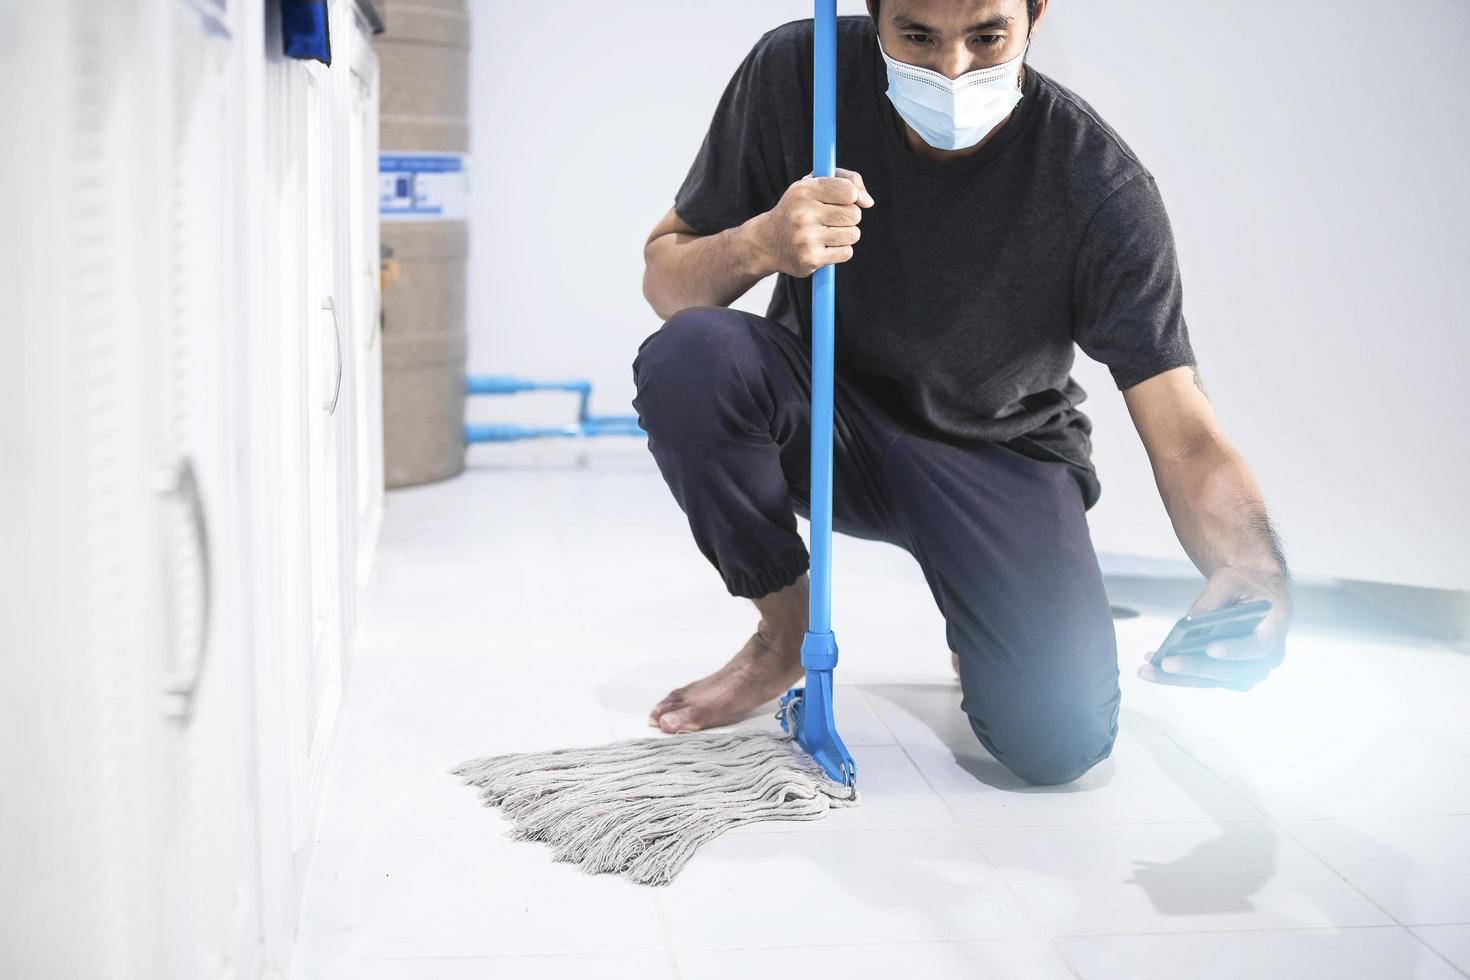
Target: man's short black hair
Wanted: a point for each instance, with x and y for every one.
(1030, 11)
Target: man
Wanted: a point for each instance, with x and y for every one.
(1002, 222)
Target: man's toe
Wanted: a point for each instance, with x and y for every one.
(678, 721)
(671, 701)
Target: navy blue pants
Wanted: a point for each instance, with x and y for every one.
(1002, 539)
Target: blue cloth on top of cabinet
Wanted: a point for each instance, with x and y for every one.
(304, 32)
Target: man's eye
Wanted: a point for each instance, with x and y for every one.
(987, 39)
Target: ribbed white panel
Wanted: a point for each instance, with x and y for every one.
(80, 724)
(212, 844)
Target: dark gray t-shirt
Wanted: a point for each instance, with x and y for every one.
(973, 278)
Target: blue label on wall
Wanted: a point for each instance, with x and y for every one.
(422, 186)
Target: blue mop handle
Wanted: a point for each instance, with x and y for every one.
(824, 287)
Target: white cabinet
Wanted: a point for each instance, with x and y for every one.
(320, 432)
(363, 266)
(192, 488)
(190, 111)
(322, 311)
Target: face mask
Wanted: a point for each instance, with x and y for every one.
(953, 114)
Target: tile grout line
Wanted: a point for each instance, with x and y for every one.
(1149, 723)
(1425, 943)
(992, 940)
(1396, 920)
(975, 848)
(1060, 935)
(658, 902)
(1005, 883)
(1051, 940)
(1266, 817)
(1277, 823)
(663, 928)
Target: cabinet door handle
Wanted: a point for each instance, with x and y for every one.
(181, 682)
(330, 405)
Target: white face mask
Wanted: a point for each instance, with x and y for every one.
(953, 114)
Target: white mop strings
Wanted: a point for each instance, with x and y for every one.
(641, 807)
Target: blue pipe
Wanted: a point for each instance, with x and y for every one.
(605, 426)
(586, 424)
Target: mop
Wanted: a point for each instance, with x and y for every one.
(640, 808)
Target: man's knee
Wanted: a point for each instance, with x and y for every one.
(1050, 747)
(690, 342)
(682, 372)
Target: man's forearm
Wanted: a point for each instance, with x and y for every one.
(684, 270)
(1218, 511)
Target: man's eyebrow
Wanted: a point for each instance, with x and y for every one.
(909, 24)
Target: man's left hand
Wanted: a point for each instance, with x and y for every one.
(1239, 662)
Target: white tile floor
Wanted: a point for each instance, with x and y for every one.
(1316, 826)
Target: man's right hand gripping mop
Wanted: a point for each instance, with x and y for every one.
(641, 807)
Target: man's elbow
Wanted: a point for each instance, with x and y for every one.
(651, 281)
(651, 294)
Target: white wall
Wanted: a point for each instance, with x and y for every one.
(579, 138)
(1310, 154)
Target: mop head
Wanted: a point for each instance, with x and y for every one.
(640, 808)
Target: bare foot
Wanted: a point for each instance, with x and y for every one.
(768, 664)
(763, 670)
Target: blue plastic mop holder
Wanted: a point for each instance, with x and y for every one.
(808, 710)
(585, 425)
